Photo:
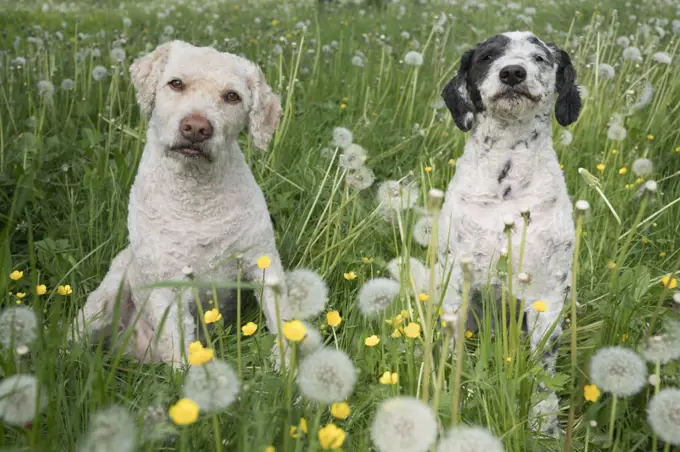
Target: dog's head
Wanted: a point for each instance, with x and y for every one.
(200, 99)
(513, 75)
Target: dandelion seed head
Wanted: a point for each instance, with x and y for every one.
(353, 157)
(342, 137)
(422, 231)
(360, 179)
(67, 84)
(118, 54)
(127, 22)
(623, 41)
(642, 167)
(616, 132)
(663, 415)
(413, 58)
(661, 349)
(357, 61)
(618, 370)
(111, 429)
(646, 96)
(19, 398)
(404, 424)
(566, 138)
(396, 196)
(213, 386)
(307, 295)
(45, 88)
(662, 58)
(606, 71)
(632, 54)
(18, 326)
(469, 439)
(99, 73)
(376, 295)
(326, 376)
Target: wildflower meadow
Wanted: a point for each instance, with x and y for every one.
(353, 179)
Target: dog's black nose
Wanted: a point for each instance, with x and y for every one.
(513, 75)
(196, 128)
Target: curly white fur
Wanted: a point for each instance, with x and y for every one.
(184, 212)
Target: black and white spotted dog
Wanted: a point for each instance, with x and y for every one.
(505, 92)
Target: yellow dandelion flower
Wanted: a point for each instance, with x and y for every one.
(41, 289)
(428, 169)
(372, 341)
(212, 316)
(468, 334)
(669, 282)
(423, 297)
(184, 412)
(263, 262)
(349, 276)
(333, 318)
(16, 275)
(294, 330)
(343, 106)
(367, 260)
(249, 329)
(389, 378)
(539, 306)
(662, 254)
(650, 137)
(331, 437)
(64, 290)
(600, 167)
(623, 170)
(412, 330)
(340, 410)
(591, 393)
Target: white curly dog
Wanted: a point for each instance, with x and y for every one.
(195, 204)
(505, 92)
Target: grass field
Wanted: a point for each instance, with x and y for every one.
(71, 136)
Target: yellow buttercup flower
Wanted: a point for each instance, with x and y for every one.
(624, 337)
(296, 431)
(41, 289)
(367, 260)
(64, 290)
(508, 359)
(270, 449)
(198, 355)
(412, 330)
(340, 410)
(16, 275)
(349, 276)
(423, 297)
(396, 333)
(331, 437)
(263, 262)
(650, 137)
(468, 334)
(669, 282)
(343, 106)
(404, 313)
(452, 162)
(389, 378)
(600, 167)
(611, 265)
(294, 330)
(662, 254)
(20, 295)
(212, 316)
(333, 318)
(275, 22)
(540, 306)
(428, 169)
(396, 320)
(249, 329)
(184, 412)
(591, 393)
(623, 170)
(372, 341)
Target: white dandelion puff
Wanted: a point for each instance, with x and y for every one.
(376, 295)
(393, 195)
(566, 138)
(632, 54)
(606, 71)
(661, 349)
(360, 179)
(646, 97)
(118, 54)
(67, 84)
(307, 295)
(22, 398)
(213, 386)
(413, 58)
(353, 157)
(45, 88)
(469, 439)
(642, 167)
(404, 424)
(127, 22)
(327, 375)
(112, 428)
(663, 415)
(342, 137)
(618, 370)
(418, 275)
(18, 326)
(422, 231)
(616, 132)
(357, 61)
(168, 30)
(99, 73)
(405, 35)
(623, 41)
(662, 58)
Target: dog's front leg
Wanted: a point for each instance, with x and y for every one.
(167, 310)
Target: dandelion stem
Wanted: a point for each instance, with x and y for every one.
(612, 418)
(624, 249)
(428, 322)
(657, 385)
(218, 436)
(440, 371)
(460, 332)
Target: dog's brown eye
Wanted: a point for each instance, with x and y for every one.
(176, 84)
(232, 97)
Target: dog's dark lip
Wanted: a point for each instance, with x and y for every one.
(190, 151)
(516, 92)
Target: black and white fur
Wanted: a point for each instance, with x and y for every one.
(504, 93)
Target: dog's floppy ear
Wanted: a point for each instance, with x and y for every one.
(145, 73)
(568, 105)
(264, 112)
(456, 96)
